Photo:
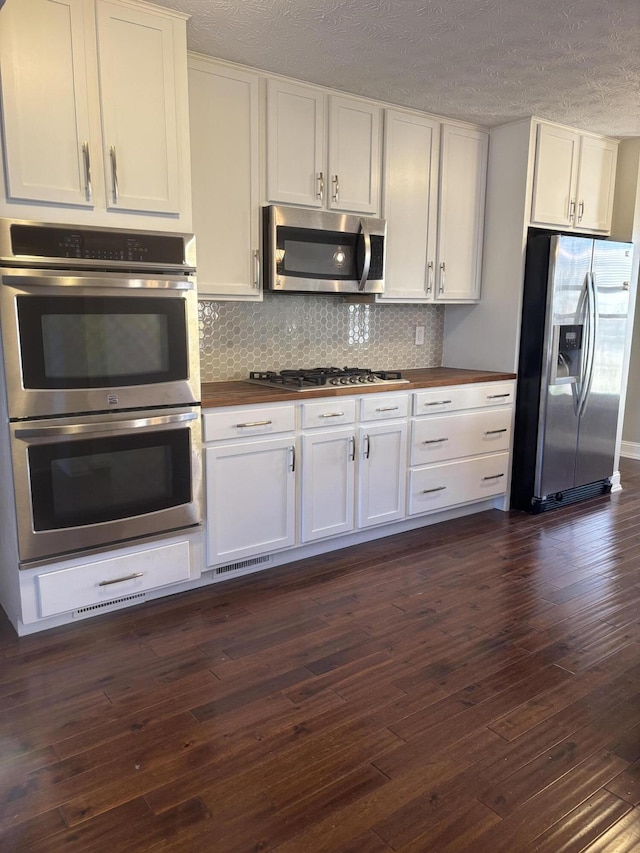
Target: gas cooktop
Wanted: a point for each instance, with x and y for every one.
(318, 377)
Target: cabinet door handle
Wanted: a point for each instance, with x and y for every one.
(352, 454)
(388, 409)
(435, 440)
(253, 424)
(367, 451)
(442, 271)
(438, 403)
(495, 431)
(130, 577)
(293, 457)
(429, 491)
(87, 170)
(572, 209)
(114, 174)
(580, 211)
(493, 477)
(336, 188)
(430, 277)
(332, 415)
(497, 396)
(320, 189)
(256, 269)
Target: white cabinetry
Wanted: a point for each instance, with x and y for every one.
(94, 110)
(328, 468)
(223, 109)
(433, 201)
(317, 163)
(250, 481)
(574, 179)
(461, 457)
(382, 464)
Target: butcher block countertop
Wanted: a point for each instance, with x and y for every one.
(240, 393)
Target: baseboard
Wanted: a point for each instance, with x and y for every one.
(614, 479)
(630, 449)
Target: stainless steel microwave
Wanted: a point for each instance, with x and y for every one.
(316, 251)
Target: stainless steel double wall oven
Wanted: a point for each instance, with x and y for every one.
(101, 369)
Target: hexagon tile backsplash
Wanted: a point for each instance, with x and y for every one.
(291, 331)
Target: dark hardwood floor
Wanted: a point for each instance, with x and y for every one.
(473, 686)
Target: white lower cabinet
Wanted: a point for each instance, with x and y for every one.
(250, 481)
(382, 472)
(328, 483)
(460, 442)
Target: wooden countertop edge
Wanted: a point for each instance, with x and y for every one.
(241, 393)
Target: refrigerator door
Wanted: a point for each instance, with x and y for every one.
(611, 273)
(569, 268)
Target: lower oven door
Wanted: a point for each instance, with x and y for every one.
(82, 482)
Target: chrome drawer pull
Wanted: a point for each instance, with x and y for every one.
(497, 396)
(254, 424)
(131, 577)
(333, 415)
(495, 431)
(388, 409)
(493, 477)
(435, 440)
(438, 403)
(437, 489)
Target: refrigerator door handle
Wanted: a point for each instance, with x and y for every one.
(592, 302)
(582, 316)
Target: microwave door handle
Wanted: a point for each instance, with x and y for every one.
(367, 255)
(106, 427)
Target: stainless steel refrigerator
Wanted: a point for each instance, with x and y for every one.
(574, 327)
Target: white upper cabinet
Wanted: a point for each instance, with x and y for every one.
(94, 101)
(410, 205)
(316, 163)
(574, 177)
(224, 169)
(463, 179)
(45, 101)
(138, 97)
(433, 201)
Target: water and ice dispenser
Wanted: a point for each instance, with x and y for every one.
(566, 356)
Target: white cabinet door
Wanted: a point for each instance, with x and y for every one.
(45, 101)
(223, 115)
(382, 473)
(295, 144)
(138, 94)
(410, 206)
(354, 155)
(596, 183)
(463, 176)
(554, 182)
(250, 490)
(328, 483)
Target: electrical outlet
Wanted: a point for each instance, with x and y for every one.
(419, 335)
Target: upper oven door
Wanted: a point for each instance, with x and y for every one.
(97, 342)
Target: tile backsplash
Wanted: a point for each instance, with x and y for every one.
(304, 331)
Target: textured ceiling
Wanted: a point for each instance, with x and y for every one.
(487, 61)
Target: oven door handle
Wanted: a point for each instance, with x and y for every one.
(118, 282)
(103, 427)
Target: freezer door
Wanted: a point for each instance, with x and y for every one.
(569, 267)
(611, 273)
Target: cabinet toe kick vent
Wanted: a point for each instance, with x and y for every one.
(241, 564)
(113, 604)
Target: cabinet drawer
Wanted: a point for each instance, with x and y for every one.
(452, 436)
(247, 421)
(326, 413)
(438, 486)
(103, 580)
(379, 408)
(456, 397)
